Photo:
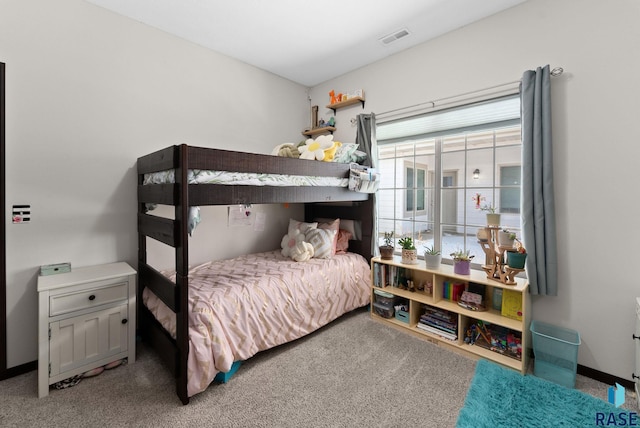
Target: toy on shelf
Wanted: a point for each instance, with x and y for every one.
(334, 98)
(495, 265)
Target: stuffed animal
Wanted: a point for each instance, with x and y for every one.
(294, 246)
(288, 151)
(316, 149)
(330, 153)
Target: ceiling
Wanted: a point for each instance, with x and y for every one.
(303, 41)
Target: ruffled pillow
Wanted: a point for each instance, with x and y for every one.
(342, 244)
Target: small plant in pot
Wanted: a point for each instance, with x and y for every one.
(386, 250)
(493, 218)
(462, 262)
(409, 252)
(506, 238)
(516, 259)
(432, 257)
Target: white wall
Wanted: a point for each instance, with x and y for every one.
(596, 143)
(88, 92)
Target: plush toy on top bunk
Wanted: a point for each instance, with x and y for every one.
(323, 148)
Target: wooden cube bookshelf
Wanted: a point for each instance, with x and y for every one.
(431, 293)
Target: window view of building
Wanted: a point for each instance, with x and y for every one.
(442, 172)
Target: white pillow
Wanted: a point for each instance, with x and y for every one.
(351, 226)
(300, 226)
(322, 241)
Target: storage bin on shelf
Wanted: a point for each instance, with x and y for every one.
(385, 311)
(555, 351)
(402, 316)
(384, 298)
(402, 310)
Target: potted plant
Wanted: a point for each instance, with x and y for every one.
(493, 218)
(462, 262)
(506, 238)
(409, 252)
(386, 250)
(517, 258)
(432, 257)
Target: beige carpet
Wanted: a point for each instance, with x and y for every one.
(354, 372)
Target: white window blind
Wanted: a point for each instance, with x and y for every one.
(500, 112)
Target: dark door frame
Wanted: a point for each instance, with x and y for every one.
(3, 235)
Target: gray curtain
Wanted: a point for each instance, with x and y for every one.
(366, 140)
(538, 210)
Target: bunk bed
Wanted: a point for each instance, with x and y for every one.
(321, 201)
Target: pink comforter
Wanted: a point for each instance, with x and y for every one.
(254, 302)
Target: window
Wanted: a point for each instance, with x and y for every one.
(415, 179)
(510, 184)
(435, 166)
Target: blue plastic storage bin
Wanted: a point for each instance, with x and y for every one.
(402, 316)
(556, 353)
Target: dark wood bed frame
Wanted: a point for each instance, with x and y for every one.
(327, 202)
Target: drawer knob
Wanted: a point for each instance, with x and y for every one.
(124, 321)
(633, 376)
(635, 337)
(92, 297)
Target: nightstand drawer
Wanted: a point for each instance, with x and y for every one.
(63, 303)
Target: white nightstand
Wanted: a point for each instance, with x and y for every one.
(87, 319)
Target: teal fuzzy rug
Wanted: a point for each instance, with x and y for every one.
(499, 397)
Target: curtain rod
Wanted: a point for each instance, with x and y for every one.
(557, 71)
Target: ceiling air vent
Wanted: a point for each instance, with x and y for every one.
(390, 38)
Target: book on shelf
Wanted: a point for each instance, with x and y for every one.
(434, 322)
(437, 331)
(446, 317)
(512, 304)
(439, 321)
(471, 301)
(439, 327)
(452, 290)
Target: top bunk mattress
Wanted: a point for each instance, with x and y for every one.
(198, 176)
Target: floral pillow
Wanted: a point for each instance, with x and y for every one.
(294, 246)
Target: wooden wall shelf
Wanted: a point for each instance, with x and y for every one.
(346, 103)
(321, 130)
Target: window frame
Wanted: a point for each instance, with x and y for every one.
(463, 187)
(416, 167)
